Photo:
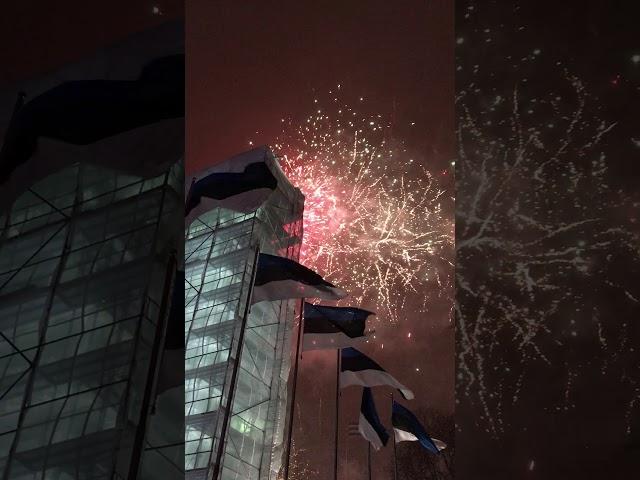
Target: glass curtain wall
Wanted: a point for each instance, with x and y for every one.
(84, 260)
(220, 256)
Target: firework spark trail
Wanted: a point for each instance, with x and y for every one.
(299, 466)
(508, 162)
(373, 218)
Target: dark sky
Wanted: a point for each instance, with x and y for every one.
(40, 36)
(251, 63)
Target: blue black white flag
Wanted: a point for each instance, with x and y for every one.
(279, 278)
(407, 428)
(369, 424)
(333, 327)
(242, 184)
(358, 369)
(83, 112)
(132, 126)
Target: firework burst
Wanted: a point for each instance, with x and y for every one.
(373, 222)
(524, 256)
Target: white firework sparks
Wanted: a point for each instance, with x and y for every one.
(374, 222)
(520, 249)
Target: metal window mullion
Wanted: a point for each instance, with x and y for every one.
(218, 467)
(137, 337)
(198, 247)
(62, 407)
(74, 358)
(202, 278)
(271, 385)
(80, 213)
(99, 242)
(104, 359)
(158, 450)
(38, 250)
(56, 209)
(66, 337)
(255, 363)
(19, 351)
(123, 413)
(43, 329)
(238, 457)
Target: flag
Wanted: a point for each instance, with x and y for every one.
(332, 327)
(242, 183)
(132, 126)
(358, 369)
(278, 278)
(369, 424)
(85, 111)
(407, 428)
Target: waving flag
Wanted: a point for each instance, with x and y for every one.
(369, 424)
(278, 278)
(333, 327)
(132, 126)
(407, 428)
(242, 184)
(85, 111)
(358, 369)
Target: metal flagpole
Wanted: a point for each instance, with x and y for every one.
(446, 463)
(369, 458)
(154, 366)
(293, 393)
(335, 464)
(395, 455)
(234, 374)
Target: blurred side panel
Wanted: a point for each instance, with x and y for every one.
(91, 236)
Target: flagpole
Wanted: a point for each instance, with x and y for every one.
(335, 463)
(293, 393)
(446, 463)
(395, 455)
(369, 458)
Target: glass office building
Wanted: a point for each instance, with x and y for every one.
(86, 259)
(90, 239)
(220, 257)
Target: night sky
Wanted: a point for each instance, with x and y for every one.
(39, 37)
(250, 63)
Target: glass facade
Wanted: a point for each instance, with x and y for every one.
(220, 256)
(86, 256)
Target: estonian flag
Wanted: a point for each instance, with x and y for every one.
(87, 111)
(369, 424)
(278, 278)
(242, 184)
(333, 327)
(358, 369)
(407, 428)
(131, 126)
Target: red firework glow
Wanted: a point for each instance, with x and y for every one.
(373, 219)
